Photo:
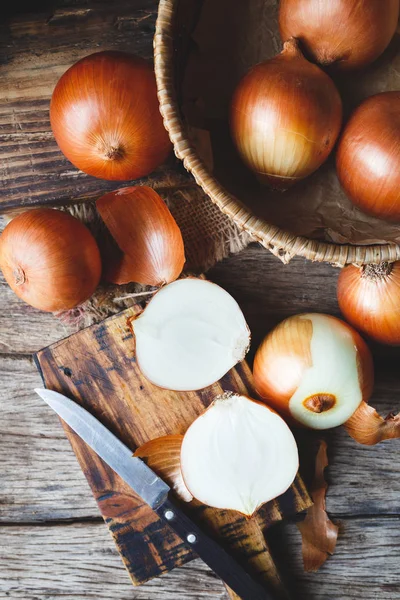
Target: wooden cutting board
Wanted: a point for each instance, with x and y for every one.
(97, 368)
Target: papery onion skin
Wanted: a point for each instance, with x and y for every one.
(369, 298)
(146, 233)
(286, 115)
(284, 360)
(50, 259)
(347, 34)
(105, 116)
(367, 426)
(163, 455)
(368, 156)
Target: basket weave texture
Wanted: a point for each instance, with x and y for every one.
(282, 243)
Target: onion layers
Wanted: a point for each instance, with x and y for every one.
(238, 455)
(190, 334)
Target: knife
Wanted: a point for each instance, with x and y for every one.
(155, 492)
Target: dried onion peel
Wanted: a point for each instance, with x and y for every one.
(163, 455)
(147, 235)
(238, 455)
(318, 533)
(190, 334)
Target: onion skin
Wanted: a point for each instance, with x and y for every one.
(367, 427)
(50, 259)
(286, 115)
(284, 356)
(368, 157)
(369, 298)
(347, 34)
(163, 455)
(146, 233)
(105, 117)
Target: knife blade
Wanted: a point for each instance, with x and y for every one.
(155, 492)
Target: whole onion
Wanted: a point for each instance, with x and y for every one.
(105, 117)
(286, 115)
(344, 33)
(50, 259)
(369, 298)
(368, 157)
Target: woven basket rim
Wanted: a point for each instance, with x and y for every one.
(282, 243)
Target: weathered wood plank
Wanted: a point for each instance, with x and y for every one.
(79, 561)
(97, 366)
(40, 477)
(32, 168)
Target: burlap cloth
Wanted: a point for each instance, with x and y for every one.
(209, 236)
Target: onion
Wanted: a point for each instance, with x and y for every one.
(190, 334)
(163, 455)
(368, 157)
(369, 298)
(314, 369)
(105, 117)
(286, 115)
(238, 455)
(147, 234)
(345, 33)
(319, 534)
(49, 259)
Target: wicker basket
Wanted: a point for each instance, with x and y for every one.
(174, 25)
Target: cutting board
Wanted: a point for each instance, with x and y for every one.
(97, 368)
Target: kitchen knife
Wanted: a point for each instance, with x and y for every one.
(155, 492)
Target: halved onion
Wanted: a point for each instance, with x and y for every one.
(191, 333)
(238, 455)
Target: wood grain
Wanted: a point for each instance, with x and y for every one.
(79, 561)
(97, 367)
(35, 50)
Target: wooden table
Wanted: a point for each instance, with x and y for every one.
(53, 543)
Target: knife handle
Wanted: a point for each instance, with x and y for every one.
(214, 555)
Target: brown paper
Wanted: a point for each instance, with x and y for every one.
(229, 38)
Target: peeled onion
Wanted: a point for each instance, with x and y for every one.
(315, 369)
(345, 33)
(146, 233)
(368, 157)
(190, 334)
(105, 117)
(238, 455)
(286, 115)
(49, 259)
(369, 298)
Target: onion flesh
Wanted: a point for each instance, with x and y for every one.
(191, 333)
(347, 34)
(314, 369)
(368, 157)
(286, 115)
(146, 233)
(50, 259)
(238, 455)
(105, 116)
